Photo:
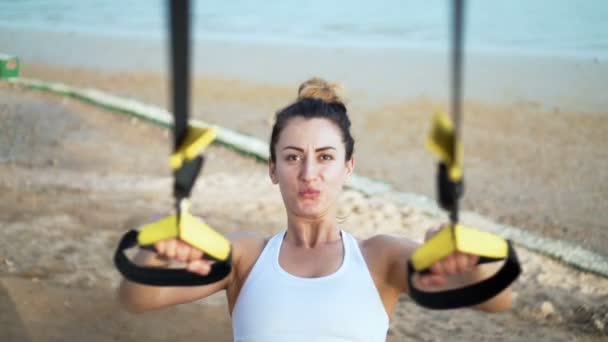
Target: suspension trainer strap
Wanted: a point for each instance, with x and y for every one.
(186, 174)
(186, 162)
(444, 141)
(180, 64)
(456, 185)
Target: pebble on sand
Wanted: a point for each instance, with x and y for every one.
(547, 309)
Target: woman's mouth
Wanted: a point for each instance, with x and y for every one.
(309, 193)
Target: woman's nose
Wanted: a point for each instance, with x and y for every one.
(309, 170)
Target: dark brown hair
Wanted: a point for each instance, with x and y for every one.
(316, 99)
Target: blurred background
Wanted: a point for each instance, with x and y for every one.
(534, 128)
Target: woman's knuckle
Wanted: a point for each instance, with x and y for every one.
(450, 265)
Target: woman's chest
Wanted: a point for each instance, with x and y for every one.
(332, 306)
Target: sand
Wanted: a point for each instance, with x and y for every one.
(526, 164)
(73, 178)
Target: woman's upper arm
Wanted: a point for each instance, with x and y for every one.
(138, 297)
(401, 251)
(391, 256)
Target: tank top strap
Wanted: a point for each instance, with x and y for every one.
(274, 245)
(266, 257)
(351, 246)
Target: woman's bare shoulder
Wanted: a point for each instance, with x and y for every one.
(246, 248)
(386, 245)
(247, 244)
(387, 257)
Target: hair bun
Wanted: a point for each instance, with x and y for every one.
(318, 88)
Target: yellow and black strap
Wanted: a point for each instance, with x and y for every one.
(186, 162)
(444, 141)
(487, 246)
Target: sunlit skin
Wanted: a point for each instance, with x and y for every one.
(310, 171)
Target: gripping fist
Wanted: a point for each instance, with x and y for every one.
(455, 264)
(180, 251)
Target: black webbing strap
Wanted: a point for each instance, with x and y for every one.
(179, 22)
(470, 295)
(450, 191)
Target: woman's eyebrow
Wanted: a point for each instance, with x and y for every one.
(299, 149)
(325, 148)
(293, 148)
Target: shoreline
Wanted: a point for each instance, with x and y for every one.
(486, 50)
(382, 74)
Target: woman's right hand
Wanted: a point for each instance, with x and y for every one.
(178, 250)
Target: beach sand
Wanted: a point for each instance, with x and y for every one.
(74, 178)
(526, 164)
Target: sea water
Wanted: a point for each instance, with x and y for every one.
(525, 27)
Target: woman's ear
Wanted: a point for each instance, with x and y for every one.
(272, 172)
(350, 167)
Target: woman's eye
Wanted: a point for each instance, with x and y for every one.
(292, 157)
(327, 157)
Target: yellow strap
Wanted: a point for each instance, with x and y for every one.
(440, 142)
(459, 238)
(197, 139)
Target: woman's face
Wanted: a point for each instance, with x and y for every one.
(310, 167)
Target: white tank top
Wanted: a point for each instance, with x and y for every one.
(274, 305)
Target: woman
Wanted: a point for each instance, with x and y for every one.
(313, 282)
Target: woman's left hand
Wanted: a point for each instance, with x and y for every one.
(457, 263)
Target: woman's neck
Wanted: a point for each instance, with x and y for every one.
(311, 233)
